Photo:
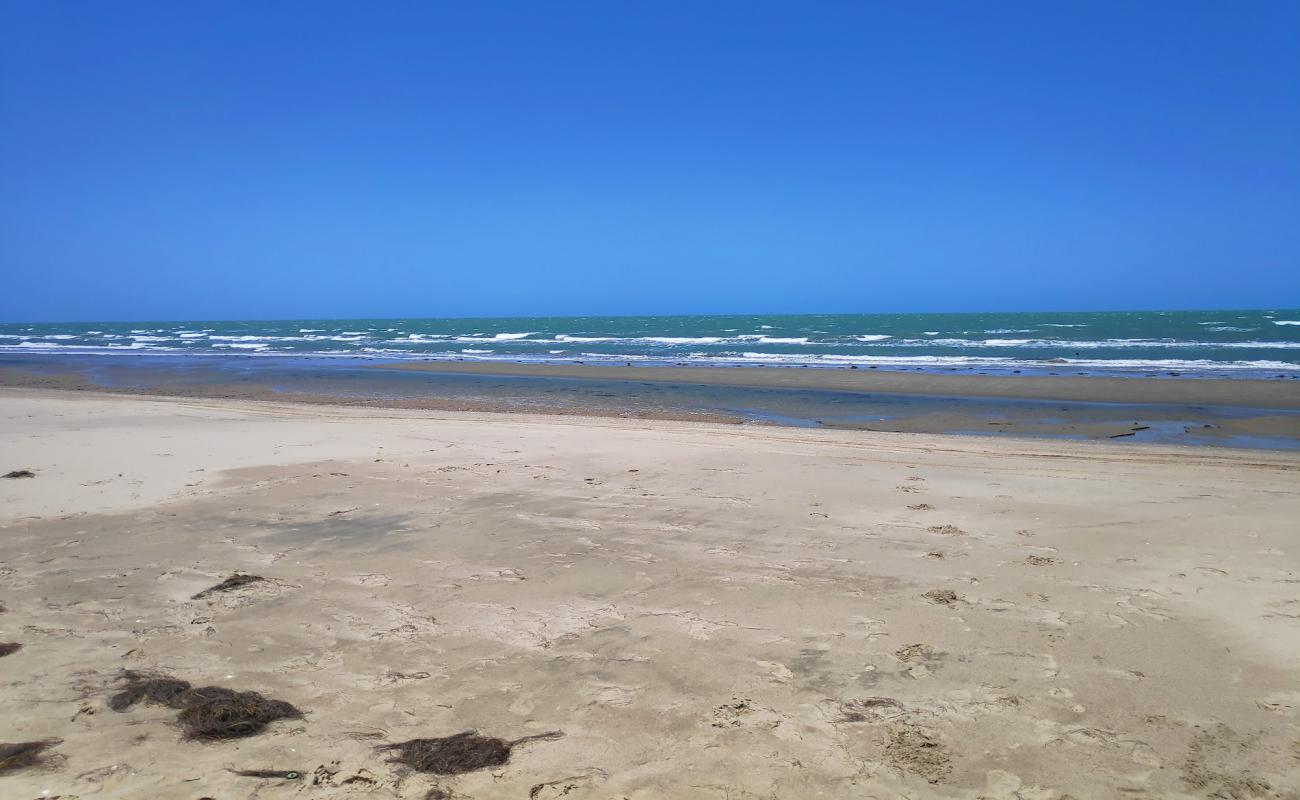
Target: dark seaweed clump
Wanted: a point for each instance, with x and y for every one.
(23, 754)
(208, 712)
(459, 753)
(20, 473)
(217, 713)
(9, 648)
(233, 582)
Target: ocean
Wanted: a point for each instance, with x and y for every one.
(1221, 343)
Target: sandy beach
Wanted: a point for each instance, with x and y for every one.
(704, 610)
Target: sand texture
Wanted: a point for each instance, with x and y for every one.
(703, 611)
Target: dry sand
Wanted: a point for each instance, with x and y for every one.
(705, 611)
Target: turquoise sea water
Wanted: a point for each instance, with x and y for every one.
(1188, 342)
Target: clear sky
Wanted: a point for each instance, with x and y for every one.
(346, 159)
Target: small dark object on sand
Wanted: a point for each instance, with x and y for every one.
(233, 582)
(460, 753)
(20, 473)
(23, 754)
(9, 648)
(213, 712)
(209, 712)
(283, 774)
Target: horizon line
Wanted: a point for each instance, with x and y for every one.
(1271, 309)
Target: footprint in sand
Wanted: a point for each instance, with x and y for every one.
(610, 695)
(369, 579)
(943, 597)
(564, 786)
(1223, 763)
(741, 712)
(869, 709)
(919, 651)
(946, 530)
(913, 749)
(921, 659)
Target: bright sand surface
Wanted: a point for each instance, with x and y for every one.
(705, 611)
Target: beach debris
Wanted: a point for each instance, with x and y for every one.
(870, 709)
(9, 648)
(1134, 428)
(233, 582)
(342, 511)
(921, 507)
(459, 753)
(1041, 561)
(944, 597)
(18, 755)
(946, 530)
(214, 712)
(208, 712)
(20, 473)
(915, 750)
(282, 774)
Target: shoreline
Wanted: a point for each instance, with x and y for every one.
(74, 385)
(1240, 392)
(1263, 415)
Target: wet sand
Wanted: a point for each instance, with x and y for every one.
(1001, 406)
(705, 611)
(1277, 393)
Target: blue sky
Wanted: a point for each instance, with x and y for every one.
(255, 160)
